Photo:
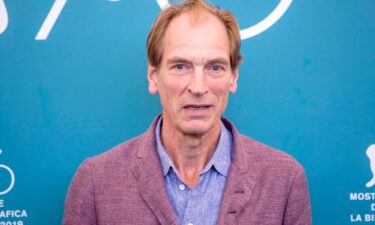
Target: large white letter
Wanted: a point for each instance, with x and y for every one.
(163, 3)
(52, 16)
(3, 17)
(267, 22)
(261, 26)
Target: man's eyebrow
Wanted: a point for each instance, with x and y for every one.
(177, 59)
(219, 60)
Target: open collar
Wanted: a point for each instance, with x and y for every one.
(220, 159)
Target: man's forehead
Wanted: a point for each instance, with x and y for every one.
(187, 32)
(198, 54)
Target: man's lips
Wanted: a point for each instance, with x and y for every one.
(197, 106)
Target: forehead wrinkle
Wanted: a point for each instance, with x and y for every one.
(198, 61)
(199, 51)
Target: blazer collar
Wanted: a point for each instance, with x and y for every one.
(147, 170)
(240, 181)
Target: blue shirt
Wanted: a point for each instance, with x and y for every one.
(200, 205)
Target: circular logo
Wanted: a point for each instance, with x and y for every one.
(12, 178)
(258, 28)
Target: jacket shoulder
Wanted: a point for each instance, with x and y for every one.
(117, 157)
(268, 158)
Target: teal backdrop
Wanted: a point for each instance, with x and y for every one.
(306, 86)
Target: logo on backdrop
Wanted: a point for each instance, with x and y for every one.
(3, 17)
(370, 152)
(58, 6)
(258, 28)
(365, 199)
(9, 216)
(8, 170)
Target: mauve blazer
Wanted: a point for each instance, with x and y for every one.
(125, 186)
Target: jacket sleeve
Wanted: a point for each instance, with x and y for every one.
(80, 203)
(298, 209)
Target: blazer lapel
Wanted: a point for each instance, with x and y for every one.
(240, 182)
(147, 170)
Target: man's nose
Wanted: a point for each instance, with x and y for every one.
(198, 85)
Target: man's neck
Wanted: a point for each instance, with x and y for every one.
(189, 153)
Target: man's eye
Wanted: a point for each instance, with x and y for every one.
(216, 68)
(180, 66)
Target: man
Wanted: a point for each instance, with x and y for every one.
(191, 167)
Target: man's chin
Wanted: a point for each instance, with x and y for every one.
(196, 127)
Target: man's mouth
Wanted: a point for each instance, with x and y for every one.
(197, 107)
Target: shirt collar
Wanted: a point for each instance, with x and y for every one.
(220, 159)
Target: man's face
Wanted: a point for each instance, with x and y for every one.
(195, 77)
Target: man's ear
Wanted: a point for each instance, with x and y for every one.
(152, 79)
(233, 81)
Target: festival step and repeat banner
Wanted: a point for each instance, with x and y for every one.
(73, 84)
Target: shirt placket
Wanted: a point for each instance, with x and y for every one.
(191, 206)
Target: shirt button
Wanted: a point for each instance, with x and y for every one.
(182, 187)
